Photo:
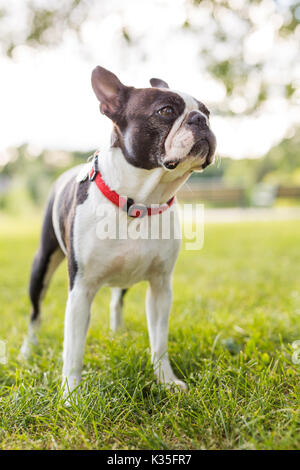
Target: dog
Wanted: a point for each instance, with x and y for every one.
(159, 137)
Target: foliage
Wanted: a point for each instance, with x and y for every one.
(279, 166)
(44, 24)
(32, 175)
(230, 26)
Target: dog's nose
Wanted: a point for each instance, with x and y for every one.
(196, 118)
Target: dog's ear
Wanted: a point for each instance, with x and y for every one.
(158, 83)
(110, 92)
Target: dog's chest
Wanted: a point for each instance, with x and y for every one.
(109, 260)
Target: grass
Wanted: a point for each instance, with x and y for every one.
(236, 312)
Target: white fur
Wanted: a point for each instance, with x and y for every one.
(116, 309)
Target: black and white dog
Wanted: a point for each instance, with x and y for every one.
(159, 138)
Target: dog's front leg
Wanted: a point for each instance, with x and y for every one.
(158, 305)
(77, 319)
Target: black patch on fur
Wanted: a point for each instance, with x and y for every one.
(140, 131)
(72, 195)
(72, 263)
(158, 83)
(123, 295)
(48, 245)
(205, 141)
(203, 108)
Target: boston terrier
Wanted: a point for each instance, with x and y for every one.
(159, 137)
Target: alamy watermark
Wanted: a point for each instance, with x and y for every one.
(135, 224)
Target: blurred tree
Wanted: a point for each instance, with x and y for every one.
(41, 23)
(234, 27)
(281, 165)
(33, 174)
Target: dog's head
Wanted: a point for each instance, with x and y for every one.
(155, 127)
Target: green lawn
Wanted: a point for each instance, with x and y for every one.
(235, 314)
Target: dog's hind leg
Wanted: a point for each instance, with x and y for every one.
(116, 307)
(46, 260)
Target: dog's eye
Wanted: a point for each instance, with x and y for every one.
(166, 111)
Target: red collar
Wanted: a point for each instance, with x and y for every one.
(128, 205)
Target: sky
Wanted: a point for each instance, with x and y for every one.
(46, 98)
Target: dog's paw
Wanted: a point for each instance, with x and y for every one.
(177, 386)
(72, 399)
(68, 400)
(25, 351)
(71, 389)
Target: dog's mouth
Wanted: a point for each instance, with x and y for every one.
(200, 150)
(171, 165)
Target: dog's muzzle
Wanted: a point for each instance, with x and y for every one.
(205, 140)
(204, 146)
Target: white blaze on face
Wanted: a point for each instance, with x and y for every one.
(180, 139)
